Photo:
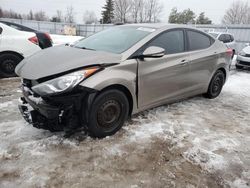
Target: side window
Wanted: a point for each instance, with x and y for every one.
(197, 40)
(171, 41)
(1, 30)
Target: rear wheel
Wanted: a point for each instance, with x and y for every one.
(8, 63)
(108, 113)
(216, 85)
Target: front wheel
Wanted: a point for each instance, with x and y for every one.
(8, 63)
(216, 85)
(108, 113)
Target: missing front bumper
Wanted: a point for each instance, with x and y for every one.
(65, 112)
(45, 116)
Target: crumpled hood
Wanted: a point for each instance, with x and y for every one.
(60, 59)
(247, 50)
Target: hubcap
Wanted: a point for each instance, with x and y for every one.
(8, 66)
(108, 113)
(218, 82)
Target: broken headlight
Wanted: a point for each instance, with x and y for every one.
(63, 83)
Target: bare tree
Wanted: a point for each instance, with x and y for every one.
(238, 13)
(89, 17)
(59, 15)
(40, 16)
(157, 11)
(122, 10)
(153, 10)
(69, 17)
(137, 8)
(30, 16)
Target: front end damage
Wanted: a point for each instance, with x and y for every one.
(62, 112)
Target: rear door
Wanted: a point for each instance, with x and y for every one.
(203, 58)
(165, 78)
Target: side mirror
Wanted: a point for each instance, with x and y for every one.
(153, 52)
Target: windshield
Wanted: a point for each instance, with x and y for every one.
(215, 35)
(114, 40)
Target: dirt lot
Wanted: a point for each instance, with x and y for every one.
(194, 143)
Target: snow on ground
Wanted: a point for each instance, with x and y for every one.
(194, 143)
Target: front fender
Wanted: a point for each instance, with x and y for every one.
(117, 75)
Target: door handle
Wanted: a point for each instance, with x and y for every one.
(184, 62)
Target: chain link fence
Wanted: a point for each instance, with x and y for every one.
(241, 32)
(59, 28)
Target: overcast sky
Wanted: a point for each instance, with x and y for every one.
(214, 9)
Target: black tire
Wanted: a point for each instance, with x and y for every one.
(108, 113)
(215, 85)
(8, 63)
(238, 67)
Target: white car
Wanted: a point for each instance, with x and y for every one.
(14, 46)
(227, 39)
(243, 58)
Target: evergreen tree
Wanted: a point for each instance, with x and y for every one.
(108, 12)
(202, 19)
(174, 16)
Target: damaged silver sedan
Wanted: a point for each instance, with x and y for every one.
(100, 81)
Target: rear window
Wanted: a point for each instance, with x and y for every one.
(228, 38)
(198, 41)
(232, 38)
(222, 38)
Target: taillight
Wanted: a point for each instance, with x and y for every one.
(34, 40)
(230, 52)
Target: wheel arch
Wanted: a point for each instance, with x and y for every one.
(12, 52)
(123, 89)
(224, 72)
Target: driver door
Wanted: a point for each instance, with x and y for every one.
(167, 78)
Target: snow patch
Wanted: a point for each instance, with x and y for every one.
(6, 104)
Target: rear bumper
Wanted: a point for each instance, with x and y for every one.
(243, 58)
(57, 113)
(243, 61)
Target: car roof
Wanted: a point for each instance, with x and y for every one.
(21, 27)
(159, 25)
(219, 33)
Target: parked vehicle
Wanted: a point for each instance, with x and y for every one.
(64, 39)
(44, 39)
(243, 58)
(16, 44)
(100, 81)
(227, 39)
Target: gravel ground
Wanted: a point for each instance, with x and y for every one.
(194, 143)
